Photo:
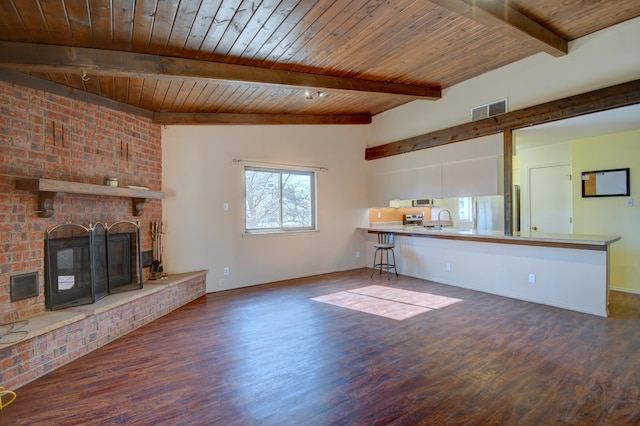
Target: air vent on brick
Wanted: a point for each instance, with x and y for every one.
(489, 110)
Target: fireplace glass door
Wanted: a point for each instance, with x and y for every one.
(85, 264)
(68, 271)
(124, 257)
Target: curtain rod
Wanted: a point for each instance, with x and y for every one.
(291, 166)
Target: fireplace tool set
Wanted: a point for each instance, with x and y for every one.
(157, 231)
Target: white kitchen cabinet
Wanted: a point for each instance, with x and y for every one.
(476, 177)
(419, 182)
(406, 184)
(401, 183)
(381, 189)
(430, 182)
(384, 187)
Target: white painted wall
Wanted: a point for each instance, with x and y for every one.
(602, 59)
(199, 176)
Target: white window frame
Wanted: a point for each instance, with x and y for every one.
(281, 229)
(468, 208)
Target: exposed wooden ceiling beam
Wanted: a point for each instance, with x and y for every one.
(71, 93)
(244, 119)
(179, 118)
(32, 57)
(617, 96)
(502, 17)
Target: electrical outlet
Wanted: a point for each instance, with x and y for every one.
(629, 202)
(379, 214)
(225, 207)
(448, 266)
(357, 254)
(220, 283)
(225, 270)
(532, 278)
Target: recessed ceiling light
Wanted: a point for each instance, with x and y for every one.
(315, 94)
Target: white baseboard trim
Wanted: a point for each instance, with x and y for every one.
(625, 290)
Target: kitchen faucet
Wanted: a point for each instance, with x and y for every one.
(450, 217)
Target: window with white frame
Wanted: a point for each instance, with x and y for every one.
(465, 209)
(279, 200)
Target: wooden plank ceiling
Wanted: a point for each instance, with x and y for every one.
(241, 61)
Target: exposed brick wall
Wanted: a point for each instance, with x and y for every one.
(49, 136)
(33, 358)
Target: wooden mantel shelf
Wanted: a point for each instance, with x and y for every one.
(49, 189)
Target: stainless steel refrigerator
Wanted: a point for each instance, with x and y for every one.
(488, 213)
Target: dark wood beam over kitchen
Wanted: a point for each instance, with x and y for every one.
(246, 119)
(507, 152)
(502, 17)
(32, 57)
(617, 96)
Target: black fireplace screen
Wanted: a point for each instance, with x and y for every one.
(84, 264)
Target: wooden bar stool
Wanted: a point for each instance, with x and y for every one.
(386, 244)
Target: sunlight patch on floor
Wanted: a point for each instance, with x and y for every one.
(389, 302)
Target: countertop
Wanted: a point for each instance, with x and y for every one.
(575, 241)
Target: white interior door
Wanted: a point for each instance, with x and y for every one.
(550, 199)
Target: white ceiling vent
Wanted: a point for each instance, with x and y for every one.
(489, 110)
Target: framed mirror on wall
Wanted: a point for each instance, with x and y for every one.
(606, 183)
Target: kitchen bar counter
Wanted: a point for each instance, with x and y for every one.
(574, 241)
(568, 271)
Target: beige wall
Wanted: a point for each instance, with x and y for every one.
(199, 176)
(610, 215)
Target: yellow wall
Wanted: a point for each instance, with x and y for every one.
(610, 215)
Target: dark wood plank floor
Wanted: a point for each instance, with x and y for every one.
(268, 355)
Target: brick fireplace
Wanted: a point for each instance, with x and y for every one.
(50, 137)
